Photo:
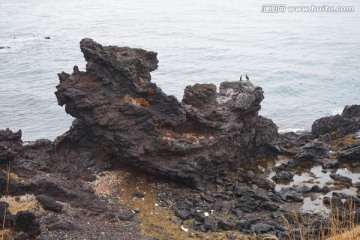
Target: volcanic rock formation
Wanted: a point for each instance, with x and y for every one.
(122, 116)
(214, 141)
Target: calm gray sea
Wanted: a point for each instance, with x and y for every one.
(307, 63)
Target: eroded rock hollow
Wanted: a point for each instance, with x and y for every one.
(122, 116)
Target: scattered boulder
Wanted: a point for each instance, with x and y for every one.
(269, 206)
(49, 204)
(344, 180)
(350, 153)
(62, 225)
(183, 208)
(207, 198)
(339, 125)
(308, 153)
(330, 164)
(283, 176)
(247, 204)
(294, 198)
(243, 224)
(51, 219)
(261, 228)
(138, 195)
(124, 215)
(260, 181)
(243, 191)
(210, 224)
(27, 223)
(226, 224)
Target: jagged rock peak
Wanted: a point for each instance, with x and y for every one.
(120, 112)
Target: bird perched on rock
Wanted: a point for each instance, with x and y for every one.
(240, 77)
(247, 78)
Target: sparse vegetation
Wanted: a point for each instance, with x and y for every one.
(345, 141)
(6, 234)
(15, 204)
(341, 224)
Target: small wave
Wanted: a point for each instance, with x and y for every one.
(292, 130)
(5, 49)
(336, 111)
(16, 43)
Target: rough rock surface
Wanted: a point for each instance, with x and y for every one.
(49, 203)
(283, 176)
(27, 223)
(350, 153)
(347, 122)
(120, 112)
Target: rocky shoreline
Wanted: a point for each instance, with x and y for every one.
(211, 161)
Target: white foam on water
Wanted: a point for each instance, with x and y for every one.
(295, 130)
(337, 110)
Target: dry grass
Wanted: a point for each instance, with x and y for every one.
(21, 203)
(342, 220)
(6, 233)
(312, 181)
(13, 176)
(345, 141)
(16, 204)
(350, 234)
(341, 225)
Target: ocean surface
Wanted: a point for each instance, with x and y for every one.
(307, 63)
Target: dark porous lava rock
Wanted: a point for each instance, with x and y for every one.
(350, 153)
(27, 223)
(342, 179)
(121, 114)
(49, 204)
(62, 225)
(339, 125)
(283, 176)
(330, 163)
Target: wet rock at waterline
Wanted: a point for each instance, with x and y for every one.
(342, 179)
(339, 125)
(283, 176)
